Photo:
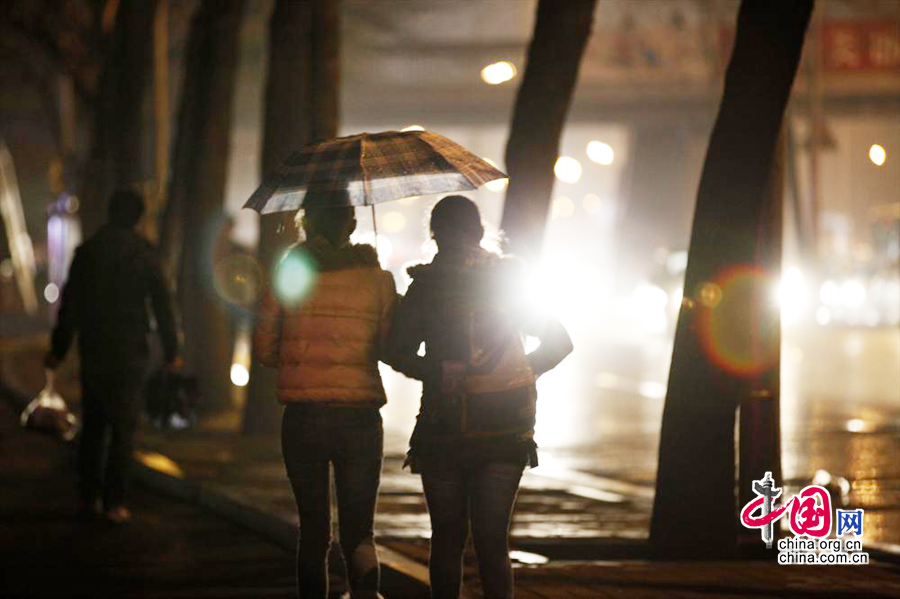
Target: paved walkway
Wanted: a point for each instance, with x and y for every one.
(176, 548)
(171, 549)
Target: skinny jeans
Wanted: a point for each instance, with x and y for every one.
(351, 440)
(482, 494)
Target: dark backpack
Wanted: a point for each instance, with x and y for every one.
(487, 385)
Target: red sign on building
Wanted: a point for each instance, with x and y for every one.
(861, 45)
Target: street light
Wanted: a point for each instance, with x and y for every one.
(498, 72)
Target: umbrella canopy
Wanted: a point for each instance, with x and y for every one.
(365, 169)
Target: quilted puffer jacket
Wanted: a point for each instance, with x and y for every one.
(327, 346)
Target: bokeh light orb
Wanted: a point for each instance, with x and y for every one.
(51, 293)
(567, 169)
(240, 376)
(710, 294)
(877, 154)
(294, 277)
(238, 279)
(601, 153)
(563, 207)
(393, 222)
(498, 72)
(592, 203)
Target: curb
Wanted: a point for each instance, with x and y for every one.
(401, 576)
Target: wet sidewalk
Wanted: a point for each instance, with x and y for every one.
(170, 549)
(181, 549)
(574, 534)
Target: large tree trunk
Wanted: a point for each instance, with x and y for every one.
(117, 155)
(561, 31)
(717, 358)
(195, 211)
(301, 106)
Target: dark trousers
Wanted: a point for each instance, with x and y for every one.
(351, 440)
(110, 410)
(483, 494)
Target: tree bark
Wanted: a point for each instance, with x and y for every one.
(195, 210)
(694, 511)
(117, 155)
(301, 106)
(561, 31)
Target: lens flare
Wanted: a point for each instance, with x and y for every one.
(294, 277)
(238, 279)
(729, 301)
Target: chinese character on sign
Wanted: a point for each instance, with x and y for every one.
(861, 45)
(845, 49)
(850, 521)
(884, 48)
(810, 510)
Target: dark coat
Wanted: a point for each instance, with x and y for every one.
(456, 304)
(105, 300)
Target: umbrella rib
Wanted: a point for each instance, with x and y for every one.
(366, 192)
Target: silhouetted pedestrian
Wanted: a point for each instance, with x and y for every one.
(474, 432)
(324, 325)
(104, 301)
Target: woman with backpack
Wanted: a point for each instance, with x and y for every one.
(474, 432)
(324, 326)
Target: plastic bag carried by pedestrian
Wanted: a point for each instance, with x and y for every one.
(172, 399)
(48, 412)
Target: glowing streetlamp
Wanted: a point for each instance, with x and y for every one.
(498, 72)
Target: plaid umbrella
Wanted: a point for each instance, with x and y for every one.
(365, 169)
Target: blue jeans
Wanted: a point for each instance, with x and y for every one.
(483, 494)
(351, 439)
